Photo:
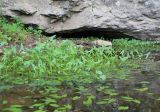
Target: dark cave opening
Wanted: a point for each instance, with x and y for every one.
(98, 33)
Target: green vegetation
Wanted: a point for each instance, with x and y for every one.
(51, 66)
(63, 62)
(15, 32)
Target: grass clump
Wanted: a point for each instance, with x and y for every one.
(12, 32)
(134, 47)
(15, 32)
(56, 62)
(62, 63)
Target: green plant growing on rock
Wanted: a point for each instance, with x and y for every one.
(15, 32)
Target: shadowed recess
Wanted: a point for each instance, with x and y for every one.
(98, 33)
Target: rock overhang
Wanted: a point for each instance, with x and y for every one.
(135, 18)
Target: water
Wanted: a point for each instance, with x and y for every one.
(139, 93)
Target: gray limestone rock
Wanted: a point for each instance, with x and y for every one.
(137, 18)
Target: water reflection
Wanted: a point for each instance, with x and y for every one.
(143, 86)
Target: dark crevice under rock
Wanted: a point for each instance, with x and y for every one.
(98, 33)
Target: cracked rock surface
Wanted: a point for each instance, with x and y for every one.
(137, 18)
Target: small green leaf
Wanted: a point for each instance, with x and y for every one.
(54, 105)
(4, 102)
(39, 111)
(143, 89)
(122, 108)
(76, 97)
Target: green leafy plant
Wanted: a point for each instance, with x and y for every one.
(123, 108)
(52, 66)
(130, 99)
(89, 101)
(15, 32)
(14, 108)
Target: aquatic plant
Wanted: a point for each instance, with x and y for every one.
(52, 66)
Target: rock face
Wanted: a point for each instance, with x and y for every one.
(137, 18)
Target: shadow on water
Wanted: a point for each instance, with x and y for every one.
(139, 93)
